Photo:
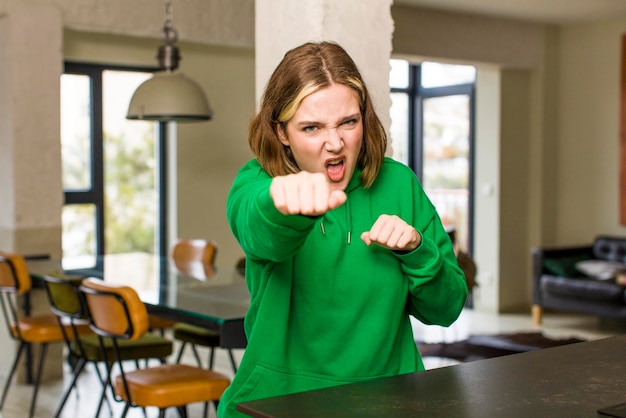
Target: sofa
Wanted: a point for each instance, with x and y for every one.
(584, 279)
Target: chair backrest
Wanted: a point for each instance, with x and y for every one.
(114, 310)
(65, 298)
(199, 250)
(194, 257)
(14, 280)
(14, 276)
(67, 304)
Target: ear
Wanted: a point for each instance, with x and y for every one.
(282, 135)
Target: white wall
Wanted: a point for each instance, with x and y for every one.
(589, 129)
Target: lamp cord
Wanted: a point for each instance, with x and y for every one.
(168, 14)
(168, 56)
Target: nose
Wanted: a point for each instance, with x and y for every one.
(334, 142)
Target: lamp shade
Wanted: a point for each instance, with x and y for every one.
(169, 96)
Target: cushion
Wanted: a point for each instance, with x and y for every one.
(610, 248)
(564, 266)
(600, 269)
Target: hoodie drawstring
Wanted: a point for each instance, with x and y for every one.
(349, 220)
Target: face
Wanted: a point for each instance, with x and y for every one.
(326, 133)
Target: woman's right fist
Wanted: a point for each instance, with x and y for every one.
(305, 193)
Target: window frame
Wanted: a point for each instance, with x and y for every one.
(95, 194)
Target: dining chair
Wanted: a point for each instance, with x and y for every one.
(68, 305)
(187, 254)
(193, 252)
(116, 312)
(43, 329)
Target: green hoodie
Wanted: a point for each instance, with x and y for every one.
(325, 308)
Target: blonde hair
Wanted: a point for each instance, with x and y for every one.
(303, 71)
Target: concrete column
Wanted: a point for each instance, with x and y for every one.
(363, 27)
(31, 193)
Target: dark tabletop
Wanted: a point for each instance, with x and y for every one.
(568, 381)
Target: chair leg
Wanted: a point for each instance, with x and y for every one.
(196, 355)
(75, 373)
(43, 350)
(232, 360)
(180, 352)
(105, 386)
(211, 357)
(125, 411)
(72, 359)
(205, 413)
(11, 373)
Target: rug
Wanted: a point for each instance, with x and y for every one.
(479, 347)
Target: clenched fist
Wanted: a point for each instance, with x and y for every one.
(305, 193)
(389, 231)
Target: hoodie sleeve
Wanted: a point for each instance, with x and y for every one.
(437, 286)
(261, 230)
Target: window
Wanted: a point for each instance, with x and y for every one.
(111, 167)
(432, 116)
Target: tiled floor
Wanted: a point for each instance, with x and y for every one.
(471, 322)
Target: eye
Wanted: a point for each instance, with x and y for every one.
(309, 128)
(350, 123)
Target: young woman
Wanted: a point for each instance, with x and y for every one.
(341, 243)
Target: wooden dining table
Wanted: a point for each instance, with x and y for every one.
(215, 298)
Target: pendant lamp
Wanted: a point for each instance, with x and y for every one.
(169, 95)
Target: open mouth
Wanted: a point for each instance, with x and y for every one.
(335, 169)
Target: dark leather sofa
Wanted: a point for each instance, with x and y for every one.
(559, 285)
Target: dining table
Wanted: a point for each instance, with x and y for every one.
(213, 297)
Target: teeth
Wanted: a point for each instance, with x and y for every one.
(334, 162)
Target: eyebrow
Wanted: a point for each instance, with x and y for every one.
(317, 123)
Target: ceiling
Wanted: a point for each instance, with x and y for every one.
(543, 11)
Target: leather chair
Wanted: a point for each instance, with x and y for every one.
(118, 313)
(187, 254)
(26, 330)
(68, 305)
